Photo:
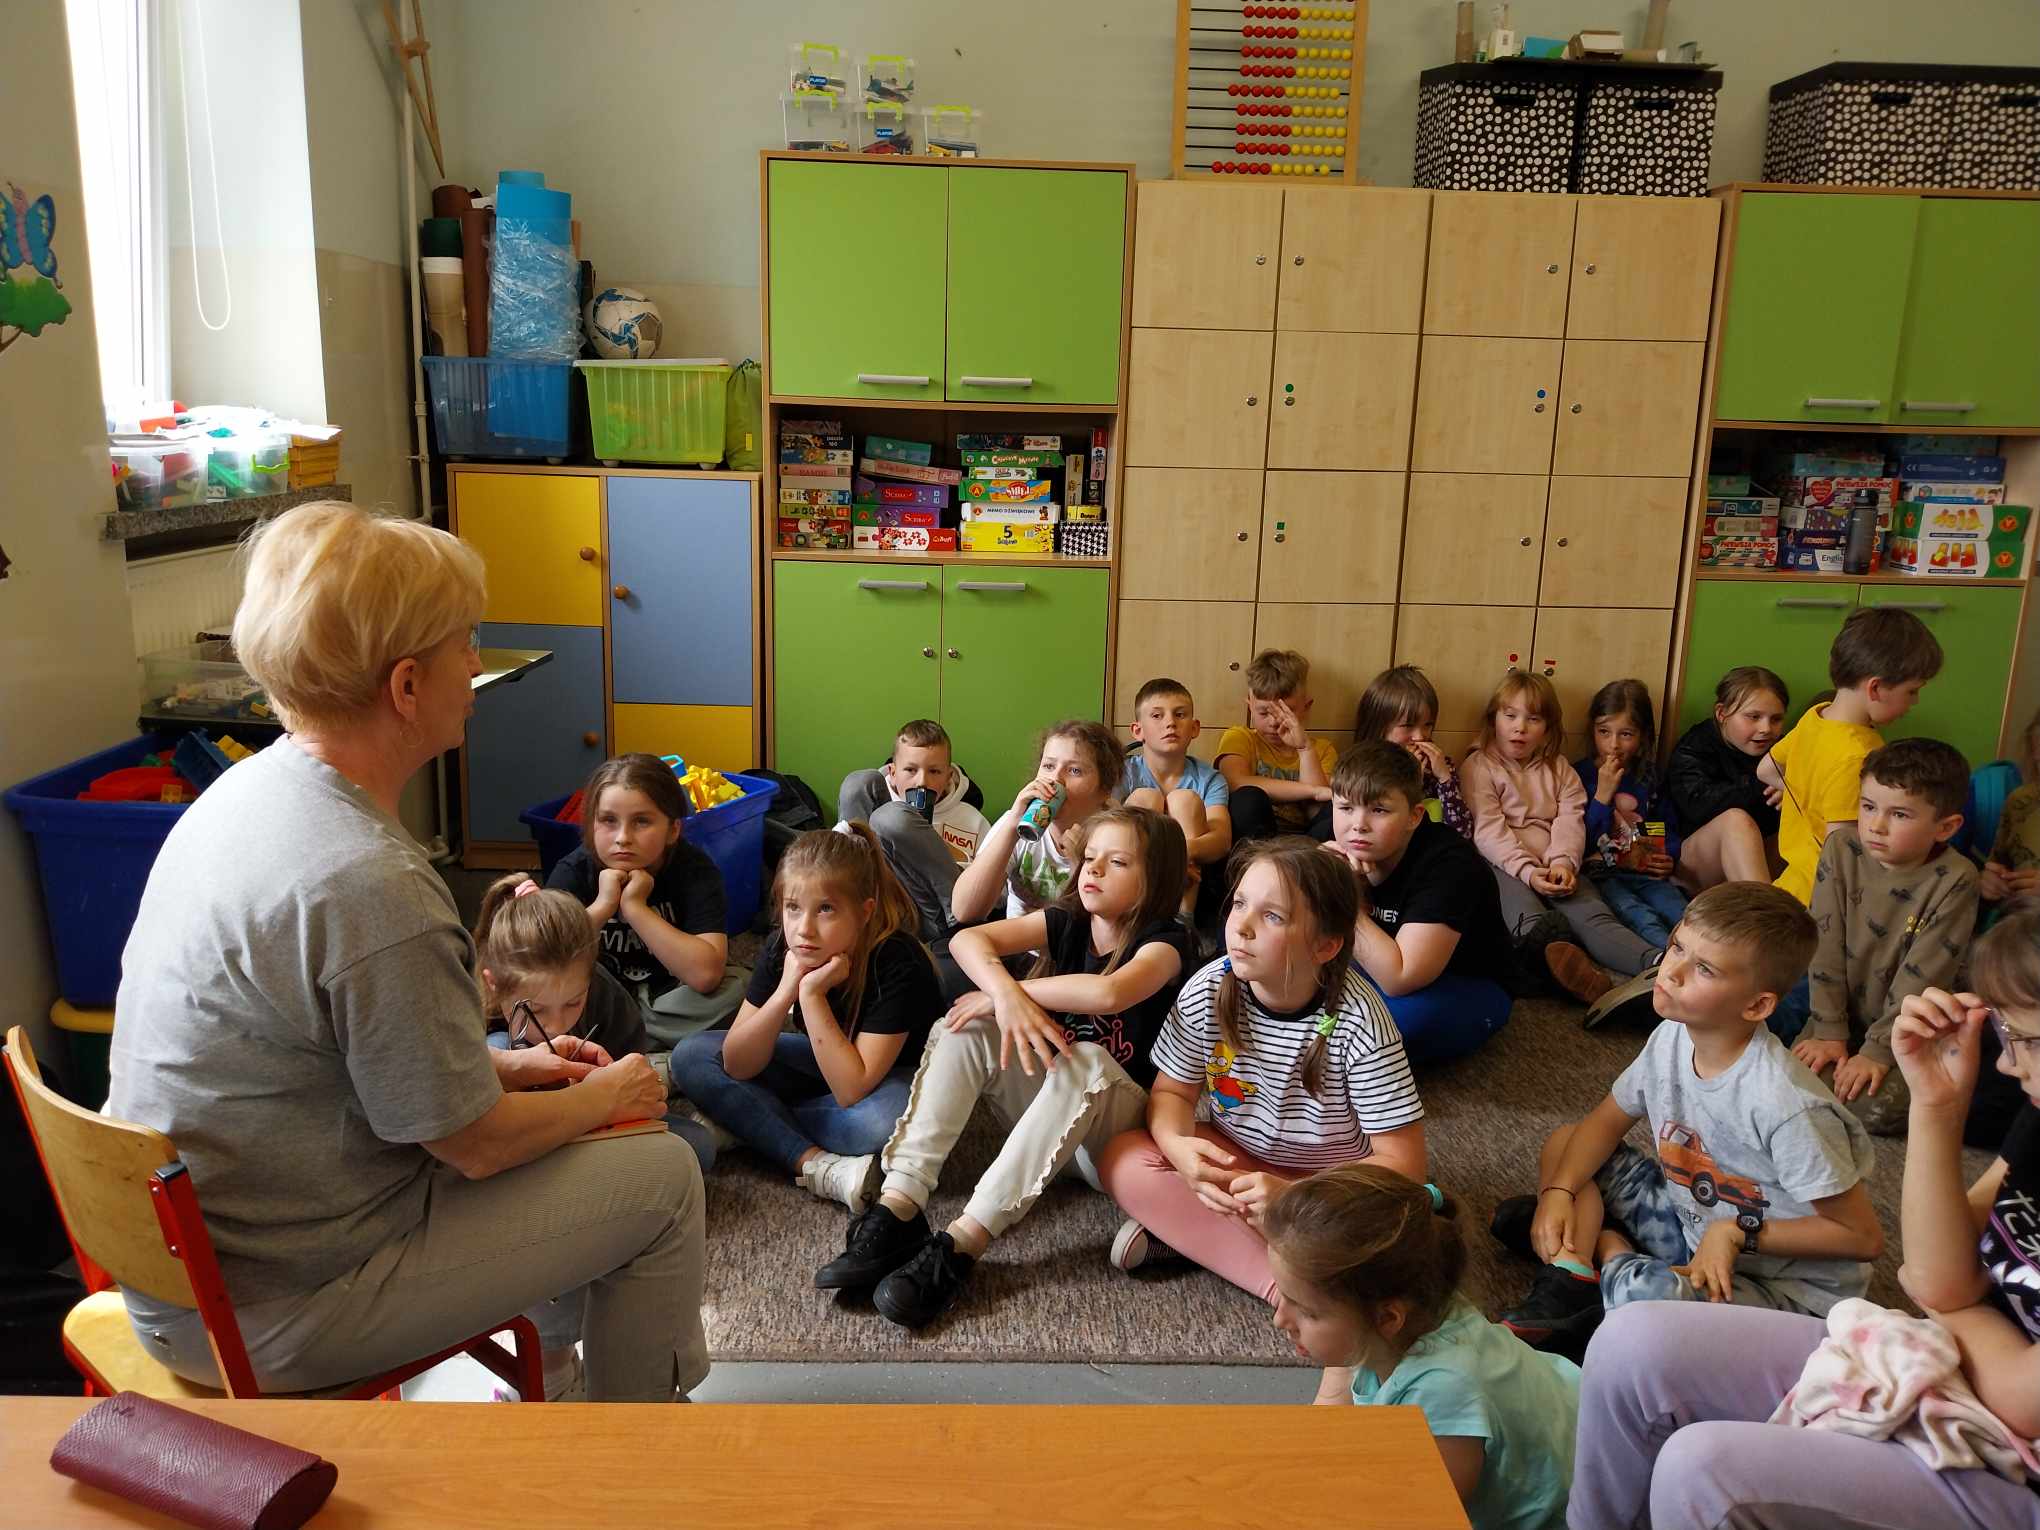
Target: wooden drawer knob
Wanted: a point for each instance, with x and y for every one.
(621, 591)
(592, 740)
(587, 555)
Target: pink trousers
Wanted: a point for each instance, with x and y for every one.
(1147, 1187)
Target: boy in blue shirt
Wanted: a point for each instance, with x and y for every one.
(1162, 777)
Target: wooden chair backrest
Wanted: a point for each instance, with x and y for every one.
(99, 1169)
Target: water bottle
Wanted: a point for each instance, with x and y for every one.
(1040, 813)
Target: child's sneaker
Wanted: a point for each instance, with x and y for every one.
(1576, 972)
(877, 1244)
(1628, 1000)
(852, 1182)
(1510, 1225)
(926, 1286)
(1561, 1311)
(1133, 1246)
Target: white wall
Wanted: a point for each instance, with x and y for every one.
(650, 111)
(67, 675)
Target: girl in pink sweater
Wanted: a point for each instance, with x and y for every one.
(1529, 820)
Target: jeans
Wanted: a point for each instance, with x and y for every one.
(1253, 817)
(1790, 1014)
(1672, 1435)
(787, 1109)
(1651, 906)
(1592, 922)
(913, 847)
(1449, 1017)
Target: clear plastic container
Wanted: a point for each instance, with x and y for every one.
(817, 120)
(952, 131)
(201, 680)
(270, 465)
(886, 77)
(818, 66)
(159, 475)
(884, 129)
(485, 407)
(230, 469)
(657, 411)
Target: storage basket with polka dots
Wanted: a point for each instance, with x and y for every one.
(1906, 125)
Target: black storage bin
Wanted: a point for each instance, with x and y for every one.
(1906, 125)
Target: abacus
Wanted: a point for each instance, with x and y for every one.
(1269, 89)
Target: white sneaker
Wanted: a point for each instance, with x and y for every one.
(720, 1137)
(1133, 1246)
(853, 1182)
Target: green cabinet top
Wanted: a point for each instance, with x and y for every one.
(1971, 353)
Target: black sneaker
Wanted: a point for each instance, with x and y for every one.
(1561, 1311)
(878, 1243)
(1510, 1224)
(926, 1286)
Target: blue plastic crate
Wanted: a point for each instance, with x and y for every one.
(485, 407)
(94, 859)
(732, 834)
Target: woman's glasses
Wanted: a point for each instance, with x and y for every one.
(2010, 1039)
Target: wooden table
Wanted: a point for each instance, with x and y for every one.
(503, 666)
(751, 1467)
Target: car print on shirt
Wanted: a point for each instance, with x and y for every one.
(1686, 1161)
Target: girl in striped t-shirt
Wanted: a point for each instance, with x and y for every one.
(1297, 1057)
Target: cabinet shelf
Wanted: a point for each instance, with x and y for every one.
(952, 405)
(1837, 427)
(975, 560)
(1773, 576)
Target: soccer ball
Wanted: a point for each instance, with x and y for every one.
(623, 324)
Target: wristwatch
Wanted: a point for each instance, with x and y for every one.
(1751, 1226)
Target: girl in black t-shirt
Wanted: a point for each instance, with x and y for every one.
(1060, 1056)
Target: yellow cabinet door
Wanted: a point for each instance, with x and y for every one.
(1487, 406)
(1499, 264)
(1204, 255)
(1347, 647)
(1613, 542)
(1465, 650)
(1331, 536)
(1342, 401)
(1473, 539)
(540, 536)
(1198, 398)
(723, 737)
(1205, 644)
(1643, 268)
(1629, 407)
(1581, 650)
(1353, 259)
(1189, 533)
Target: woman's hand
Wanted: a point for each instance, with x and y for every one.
(1206, 1167)
(639, 1093)
(637, 887)
(1551, 1228)
(971, 1006)
(1255, 1193)
(1938, 1039)
(522, 1068)
(1712, 1270)
(818, 979)
(1025, 1029)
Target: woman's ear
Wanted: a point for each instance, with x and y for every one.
(403, 687)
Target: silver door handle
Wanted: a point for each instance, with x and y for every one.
(994, 586)
(894, 379)
(1844, 403)
(970, 381)
(892, 584)
(1912, 605)
(1797, 603)
(1927, 408)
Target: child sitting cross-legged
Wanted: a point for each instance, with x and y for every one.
(1729, 817)
(1755, 1193)
(1061, 1058)
(1163, 777)
(916, 805)
(1281, 777)
(1430, 935)
(1367, 1269)
(1632, 830)
(1896, 906)
(1401, 706)
(1297, 1057)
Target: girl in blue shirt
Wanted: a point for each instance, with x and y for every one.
(1367, 1267)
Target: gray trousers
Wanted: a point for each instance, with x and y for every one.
(622, 1218)
(1608, 940)
(912, 848)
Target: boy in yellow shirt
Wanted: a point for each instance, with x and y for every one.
(1880, 660)
(1279, 776)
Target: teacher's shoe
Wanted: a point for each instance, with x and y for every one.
(926, 1286)
(877, 1244)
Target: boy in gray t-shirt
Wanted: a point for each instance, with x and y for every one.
(1754, 1193)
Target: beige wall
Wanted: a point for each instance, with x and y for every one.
(67, 676)
(649, 110)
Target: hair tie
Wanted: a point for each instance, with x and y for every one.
(1225, 964)
(525, 888)
(1437, 1197)
(1327, 1023)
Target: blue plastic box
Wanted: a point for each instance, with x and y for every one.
(484, 407)
(732, 835)
(94, 859)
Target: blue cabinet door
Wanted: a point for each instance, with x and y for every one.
(528, 740)
(681, 548)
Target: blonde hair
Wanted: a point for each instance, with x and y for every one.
(1518, 683)
(525, 933)
(1164, 858)
(335, 597)
(1329, 892)
(852, 866)
(1277, 673)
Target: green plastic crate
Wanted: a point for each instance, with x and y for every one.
(657, 411)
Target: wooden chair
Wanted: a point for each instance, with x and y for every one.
(133, 1220)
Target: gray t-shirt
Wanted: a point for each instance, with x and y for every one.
(1763, 1138)
(297, 1012)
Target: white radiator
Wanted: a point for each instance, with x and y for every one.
(174, 598)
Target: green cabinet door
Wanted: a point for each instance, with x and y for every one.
(1964, 704)
(1786, 626)
(853, 657)
(855, 256)
(1036, 268)
(1971, 353)
(1816, 300)
(1022, 648)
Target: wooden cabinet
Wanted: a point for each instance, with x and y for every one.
(540, 537)
(1970, 351)
(1581, 650)
(1613, 542)
(1628, 406)
(1465, 651)
(1206, 644)
(1351, 262)
(1204, 256)
(681, 576)
(1642, 268)
(1332, 537)
(1499, 264)
(1347, 645)
(1473, 538)
(535, 739)
(1486, 406)
(1189, 533)
(1341, 401)
(1198, 398)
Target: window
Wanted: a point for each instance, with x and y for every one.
(114, 83)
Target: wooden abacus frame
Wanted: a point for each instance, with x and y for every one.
(1207, 114)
